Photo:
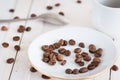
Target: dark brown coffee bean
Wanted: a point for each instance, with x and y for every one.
(57, 45)
(28, 29)
(52, 56)
(97, 54)
(33, 15)
(45, 77)
(61, 41)
(72, 42)
(16, 17)
(87, 58)
(78, 55)
(5, 44)
(78, 60)
(32, 69)
(81, 63)
(75, 71)
(49, 7)
(21, 29)
(11, 10)
(16, 38)
(4, 28)
(96, 59)
(17, 47)
(45, 60)
(10, 60)
(92, 48)
(95, 63)
(77, 50)
(82, 45)
(67, 53)
(91, 67)
(83, 70)
(84, 54)
(51, 47)
(46, 54)
(62, 50)
(63, 62)
(79, 1)
(68, 71)
(99, 51)
(65, 43)
(57, 4)
(52, 62)
(60, 57)
(61, 13)
(45, 48)
(55, 53)
(114, 68)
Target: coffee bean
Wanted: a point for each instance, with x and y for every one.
(32, 69)
(55, 53)
(78, 55)
(96, 60)
(63, 62)
(45, 60)
(77, 50)
(51, 47)
(95, 63)
(60, 57)
(68, 71)
(81, 63)
(4, 28)
(87, 58)
(52, 62)
(10, 60)
(28, 29)
(52, 56)
(33, 15)
(57, 45)
(84, 54)
(83, 70)
(92, 48)
(114, 68)
(65, 43)
(16, 38)
(78, 60)
(61, 41)
(21, 29)
(49, 7)
(62, 50)
(75, 71)
(82, 45)
(67, 53)
(45, 77)
(79, 1)
(5, 44)
(16, 17)
(45, 48)
(57, 4)
(97, 54)
(11, 10)
(17, 47)
(46, 54)
(72, 42)
(99, 51)
(61, 13)
(91, 67)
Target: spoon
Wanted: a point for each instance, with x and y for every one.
(51, 18)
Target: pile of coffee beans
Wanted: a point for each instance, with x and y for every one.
(51, 57)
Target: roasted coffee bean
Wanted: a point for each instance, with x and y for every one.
(77, 50)
(65, 43)
(57, 4)
(32, 69)
(72, 42)
(67, 53)
(78, 55)
(75, 71)
(57, 45)
(78, 60)
(114, 68)
(10, 60)
(45, 60)
(83, 70)
(68, 71)
(45, 77)
(61, 13)
(11, 10)
(95, 63)
(33, 15)
(81, 63)
(46, 54)
(45, 48)
(61, 41)
(84, 54)
(5, 44)
(92, 48)
(82, 45)
(17, 47)
(91, 67)
(96, 59)
(63, 62)
(28, 29)
(52, 56)
(4, 28)
(79, 1)
(60, 57)
(21, 29)
(97, 54)
(16, 17)
(49, 7)
(52, 62)
(62, 50)
(99, 51)
(55, 53)
(16, 38)
(87, 58)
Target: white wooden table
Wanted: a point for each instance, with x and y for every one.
(78, 14)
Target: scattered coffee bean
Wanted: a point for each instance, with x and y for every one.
(17, 47)
(10, 60)
(5, 44)
(67, 53)
(62, 42)
(45, 60)
(57, 45)
(62, 50)
(60, 57)
(57, 4)
(32, 69)
(33, 15)
(11, 10)
(77, 50)
(52, 56)
(16, 38)
(46, 54)
(61, 13)
(49, 7)
(78, 55)
(63, 62)
(51, 47)
(82, 45)
(97, 54)
(92, 48)
(75, 71)
(45, 77)
(65, 43)
(45, 48)
(95, 63)
(78, 60)
(96, 59)
(68, 71)
(21, 29)
(79, 1)
(28, 29)
(72, 42)
(83, 70)
(84, 54)
(114, 68)
(4, 28)
(16, 17)
(87, 58)
(52, 62)
(91, 67)
(81, 63)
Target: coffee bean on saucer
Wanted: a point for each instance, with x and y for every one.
(82, 45)
(97, 54)
(45, 60)
(28, 29)
(4, 28)
(49, 7)
(45, 77)
(78, 55)
(52, 56)
(68, 71)
(114, 68)
(99, 51)
(52, 62)
(62, 50)
(96, 59)
(67, 53)
(61, 13)
(77, 50)
(75, 71)
(10, 60)
(84, 54)
(91, 67)
(72, 42)
(60, 57)
(57, 4)
(87, 58)
(92, 48)
(57, 45)
(46, 54)
(81, 63)
(61, 41)
(45, 48)
(17, 47)
(63, 62)
(95, 63)
(83, 70)
(5, 44)
(11, 10)
(78, 60)
(33, 15)
(16, 38)
(32, 69)
(51, 47)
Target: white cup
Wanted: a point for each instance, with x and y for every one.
(106, 16)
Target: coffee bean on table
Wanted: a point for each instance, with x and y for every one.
(67, 53)
(68, 71)
(33, 15)
(21, 29)
(32, 69)
(84, 54)
(92, 48)
(63, 62)
(61, 13)
(79, 1)
(96, 59)
(17, 47)
(16, 38)
(77, 50)
(28, 29)
(4, 28)
(82, 45)
(87, 58)
(57, 4)
(114, 68)
(16, 17)
(10, 60)
(60, 57)
(49, 7)
(72, 42)
(75, 71)
(45, 77)
(78, 55)
(11, 10)
(83, 70)
(81, 63)
(91, 67)
(5, 44)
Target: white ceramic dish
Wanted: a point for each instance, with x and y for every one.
(80, 34)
